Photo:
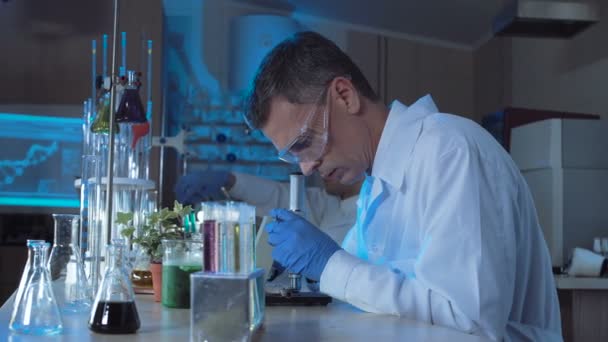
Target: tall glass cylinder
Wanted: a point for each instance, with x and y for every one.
(229, 239)
(247, 231)
(66, 268)
(92, 205)
(90, 165)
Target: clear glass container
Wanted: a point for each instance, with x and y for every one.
(247, 233)
(226, 307)
(180, 259)
(141, 277)
(65, 265)
(114, 310)
(27, 270)
(229, 230)
(35, 311)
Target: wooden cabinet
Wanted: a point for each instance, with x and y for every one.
(583, 305)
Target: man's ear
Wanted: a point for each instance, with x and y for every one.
(346, 94)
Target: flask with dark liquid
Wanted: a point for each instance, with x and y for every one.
(131, 109)
(114, 310)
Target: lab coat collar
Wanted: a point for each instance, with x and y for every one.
(401, 131)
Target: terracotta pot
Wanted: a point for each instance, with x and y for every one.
(157, 279)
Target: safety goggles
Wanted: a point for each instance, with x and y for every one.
(309, 145)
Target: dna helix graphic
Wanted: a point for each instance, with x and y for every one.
(36, 154)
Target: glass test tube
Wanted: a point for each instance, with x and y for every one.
(247, 238)
(211, 236)
(229, 238)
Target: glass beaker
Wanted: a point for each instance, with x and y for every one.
(35, 311)
(114, 310)
(65, 265)
(141, 277)
(180, 259)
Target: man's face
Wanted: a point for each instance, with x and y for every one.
(343, 158)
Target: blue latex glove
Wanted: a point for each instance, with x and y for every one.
(298, 245)
(201, 186)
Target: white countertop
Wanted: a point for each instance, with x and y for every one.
(565, 282)
(336, 322)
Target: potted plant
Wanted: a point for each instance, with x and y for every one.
(160, 225)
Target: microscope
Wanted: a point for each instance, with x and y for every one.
(292, 294)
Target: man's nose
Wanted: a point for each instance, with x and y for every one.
(308, 167)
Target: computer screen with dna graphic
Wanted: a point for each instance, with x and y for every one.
(40, 157)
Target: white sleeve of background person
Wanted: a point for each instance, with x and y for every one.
(267, 194)
(462, 278)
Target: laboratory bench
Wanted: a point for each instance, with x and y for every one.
(336, 322)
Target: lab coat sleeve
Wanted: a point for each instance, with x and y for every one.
(461, 278)
(267, 194)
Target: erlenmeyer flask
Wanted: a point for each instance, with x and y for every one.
(114, 310)
(27, 271)
(35, 312)
(101, 124)
(66, 267)
(131, 109)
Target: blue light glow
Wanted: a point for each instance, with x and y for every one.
(40, 202)
(40, 160)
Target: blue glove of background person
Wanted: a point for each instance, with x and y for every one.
(298, 245)
(201, 186)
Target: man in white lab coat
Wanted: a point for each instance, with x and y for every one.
(446, 229)
(333, 207)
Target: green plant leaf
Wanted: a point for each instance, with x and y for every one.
(177, 207)
(128, 233)
(181, 210)
(163, 224)
(124, 218)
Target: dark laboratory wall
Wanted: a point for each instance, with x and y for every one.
(418, 68)
(15, 229)
(46, 54)
(492, 76)
(405, 70)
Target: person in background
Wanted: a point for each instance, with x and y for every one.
(446, 230)
(332, 208)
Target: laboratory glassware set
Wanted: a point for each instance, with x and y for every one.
(212, 270)
(67, 280)
(227, 296)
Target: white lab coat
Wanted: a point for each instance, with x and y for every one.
(331, 214)
(448, 233)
